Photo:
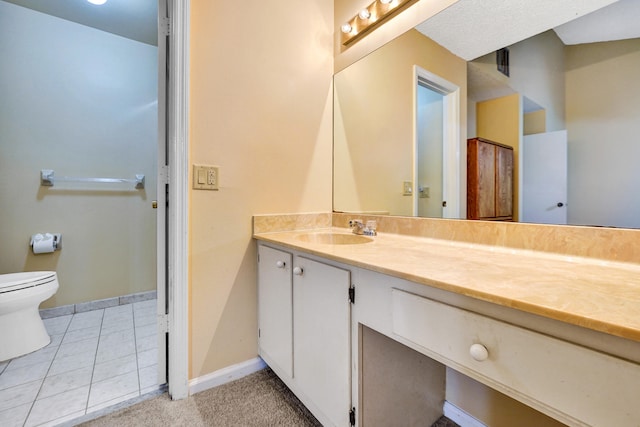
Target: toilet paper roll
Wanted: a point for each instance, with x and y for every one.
(42, 244)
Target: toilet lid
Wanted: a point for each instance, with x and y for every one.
(15, 281)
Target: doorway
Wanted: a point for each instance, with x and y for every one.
(436, 174)
(121, 250)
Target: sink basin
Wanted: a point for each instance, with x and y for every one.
(329, 238)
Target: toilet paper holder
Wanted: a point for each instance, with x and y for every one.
(57, 239)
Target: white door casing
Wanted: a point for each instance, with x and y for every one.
(178, 177)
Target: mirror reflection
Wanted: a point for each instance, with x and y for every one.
(569, 111)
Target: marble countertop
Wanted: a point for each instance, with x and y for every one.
(591, 293)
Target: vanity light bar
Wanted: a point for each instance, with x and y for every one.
(370, 17)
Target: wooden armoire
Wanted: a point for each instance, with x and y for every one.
(489, 180)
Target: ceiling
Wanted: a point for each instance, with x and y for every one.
(473, 28)
(133, 19)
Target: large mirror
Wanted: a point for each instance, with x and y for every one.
(403, 113)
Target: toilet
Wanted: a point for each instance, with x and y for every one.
(21, 328)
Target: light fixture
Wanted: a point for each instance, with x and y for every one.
(98, 2)
(364, 14)
(370, 17)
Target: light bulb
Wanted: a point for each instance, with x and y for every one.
(98, 2)
(364, 14)
(346, 28)
(385, 1)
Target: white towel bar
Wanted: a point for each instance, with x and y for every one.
(47, 178)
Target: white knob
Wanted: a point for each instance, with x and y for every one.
(280, 264)
(479, 352)
(297, 271)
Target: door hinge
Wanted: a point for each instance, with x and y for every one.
(163, 323)
(163, 174)
(352, 295)
(165, 25)
(352, 416)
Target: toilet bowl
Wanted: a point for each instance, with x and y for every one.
(21, 328)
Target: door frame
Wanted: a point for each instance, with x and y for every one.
(451, 176)
(177, 219)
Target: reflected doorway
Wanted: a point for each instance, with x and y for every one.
(436, 174)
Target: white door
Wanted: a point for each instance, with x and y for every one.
(275, 309)
(322, 339)
(544, 178)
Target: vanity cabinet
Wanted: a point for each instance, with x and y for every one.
(489, 180)
(304, 317)
(336, 355)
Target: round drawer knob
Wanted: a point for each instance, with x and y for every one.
(479, 352)
(280, 264)
(297, 271)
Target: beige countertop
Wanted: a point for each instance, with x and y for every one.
(591, 293)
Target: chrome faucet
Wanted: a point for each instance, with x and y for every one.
(358, 227)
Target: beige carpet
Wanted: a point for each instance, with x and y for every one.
(259, 399)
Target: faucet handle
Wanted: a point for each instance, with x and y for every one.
(355, 223)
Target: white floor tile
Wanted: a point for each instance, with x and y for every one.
(112, 402)
(95, 346)
(81, 334)
(113, 388)
(57, 325)
(151, 304)
(19, 395)
(148, 376)
(71, 363)
(87, 319)
(62, 420)
(57, 406)
(15, 417)
(112, 327)
(55, 340)
(147, 358)
(146, 343)
(89, 345)
(145, 319)
(43, 355)
(23, 375)
(67, 381)
(113, 368)
(118, 311)
(146, 330)
(115, 350)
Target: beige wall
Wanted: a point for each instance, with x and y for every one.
(500, 120)
(82, 102)
(260, 109)
(374, 131)
(603, 111)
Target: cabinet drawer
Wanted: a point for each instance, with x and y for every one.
(564, 380)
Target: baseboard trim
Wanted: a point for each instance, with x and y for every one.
(225, 375)
(460, 417)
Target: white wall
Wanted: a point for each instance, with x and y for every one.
(84, 103)
(603, 111)
(537, 72)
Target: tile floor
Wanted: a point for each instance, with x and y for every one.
(96, 359)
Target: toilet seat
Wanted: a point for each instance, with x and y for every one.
(16, 281)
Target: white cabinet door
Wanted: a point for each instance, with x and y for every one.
(275, 310)
(322, 338)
